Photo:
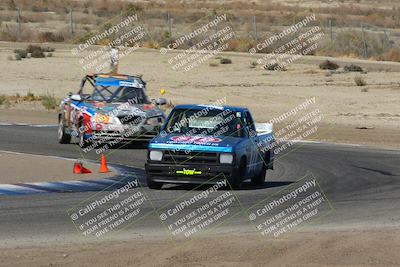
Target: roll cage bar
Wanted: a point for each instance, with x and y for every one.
(91, 79)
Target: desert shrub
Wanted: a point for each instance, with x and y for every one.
(30, 97)
(353, 68)
(253, 64)
(364, 90)
(3, 100)
(86, 36)
(50, 37)
(18, 57)
(21, 52)
(151, 44)
(240, 45)
(360, 81)
(328, 65)
(213, 64)
(49, 101)
(225, 61)
(37, 54)
(33, 48)
(391, 55)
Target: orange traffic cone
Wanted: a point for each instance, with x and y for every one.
(79, 169)
(103, 165)
(84, 170)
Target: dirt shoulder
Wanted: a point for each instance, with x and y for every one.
(388, 138)
(349, 248)
(25, 168)
(28, 116)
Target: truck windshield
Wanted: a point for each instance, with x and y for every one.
(205, 122)
(119, 94)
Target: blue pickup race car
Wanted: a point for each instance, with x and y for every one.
(202, 144)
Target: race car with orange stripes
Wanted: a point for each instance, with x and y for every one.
(109, 109)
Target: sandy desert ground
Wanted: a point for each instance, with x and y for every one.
(331, 248)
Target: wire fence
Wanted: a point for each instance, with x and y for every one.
(366, 40)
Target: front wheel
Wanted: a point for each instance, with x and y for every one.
(63, 137)
(238, 177)
(154, 185)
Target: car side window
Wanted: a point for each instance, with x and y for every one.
(250, 123)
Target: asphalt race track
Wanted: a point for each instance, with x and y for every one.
(361, 184)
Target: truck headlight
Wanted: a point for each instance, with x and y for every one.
(156, 155)
(226, 158)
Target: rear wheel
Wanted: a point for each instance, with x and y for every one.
(63, 137)
(260, 178)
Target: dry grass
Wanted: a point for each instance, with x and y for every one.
(360, 81)
(391, 55)
(328, 65)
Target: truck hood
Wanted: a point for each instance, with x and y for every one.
(195, 143)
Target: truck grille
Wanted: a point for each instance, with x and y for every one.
(129, 119)
(179, 157)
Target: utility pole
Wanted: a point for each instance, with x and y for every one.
(19, 23)
(169, 24)
(255, 28)
(364, 41)
(216, 25)
(387, 38)
(72, 22)
(331, 30)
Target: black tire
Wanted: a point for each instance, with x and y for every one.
(154, 185)
(260, 178)
(63, 137)
(239, 176)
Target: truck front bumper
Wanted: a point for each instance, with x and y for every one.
(125, 135)
(188, 173)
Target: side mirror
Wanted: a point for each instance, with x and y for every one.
(76, 97)
(161, 101)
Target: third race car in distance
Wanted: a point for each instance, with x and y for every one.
(109, 107)
(205, 144)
